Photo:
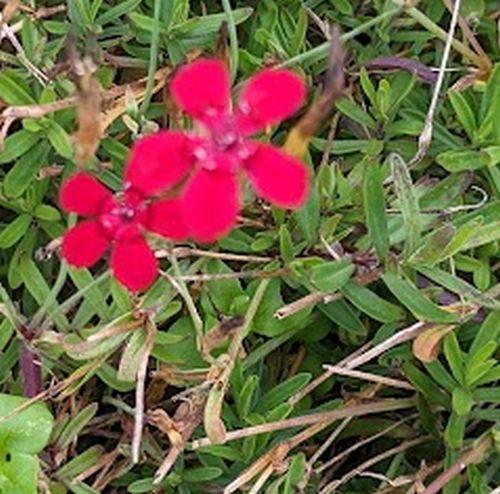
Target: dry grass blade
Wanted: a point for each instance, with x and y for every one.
(471, 456)
(334, 485)
(313, 418)
(187, 417)
(139, 391)
(425, 138)
(223, 368)
(396, 383)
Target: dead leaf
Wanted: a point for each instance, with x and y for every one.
(427, 345)
(299, 136)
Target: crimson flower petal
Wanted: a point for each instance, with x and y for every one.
(165, 218)
(201, 88)
(267, 98)
(134, 264)
(278, 177)
(84, 244)
(83, 194)
(159, 161)
(210, 204)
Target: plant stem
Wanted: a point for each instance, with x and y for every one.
(440, 33)
(233, 37)
(472, 455)
(356, 410)
(153, 57)
(181, 287)
(322, 51)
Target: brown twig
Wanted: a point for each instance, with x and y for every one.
(178, 429)
(472, 455)
(274, 273)
(139, 391)
(425, 138)
(357, 410)
(332, 486)
(181, 252)
(342, 371)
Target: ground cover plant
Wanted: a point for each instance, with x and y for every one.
(249, 246)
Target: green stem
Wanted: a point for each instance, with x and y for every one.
(52, 296)
(233, 37)
(153, 57)
(440, 33)
(212, 421)
(321, 51)
(191, 306)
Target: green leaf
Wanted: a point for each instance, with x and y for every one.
(375, 209)
(355, 112)
(40, 291)
(19, 474)
(13, 93)
(455, 430)
(76, 425)
(286, 245)
(370, 303)
(20, 176)
(464, 113)
(60, 140)
(223, 293)
(201, 474)
(407, 202)
(483, 235)
(47, 213)
(411, 297)
(331, 276)
(208, 24)
(14, 231)
(115, 12)
(80, 463)
(295, 473)
(244, 397)
(18, 144)
(445, 243)
(488, 332)
(26, 431)
(132, 356)
(280, 393)
(425, 385)
(308, 217)
(461, 401)
(454, 357)
(459, 160)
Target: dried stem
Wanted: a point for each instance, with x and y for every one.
(472, 455)
(357, 445)
(273, 273)
(357, 410)
(342, 371)
(139, 391)
(212, 421)
(425, 138)
(181, 252)
(332, 486)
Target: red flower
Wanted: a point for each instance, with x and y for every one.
(211, 198)
(118, 222)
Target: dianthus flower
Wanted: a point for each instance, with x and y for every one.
(118, 222)
(220, 149)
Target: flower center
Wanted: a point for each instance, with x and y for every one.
(224, 148)
(122, 215)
